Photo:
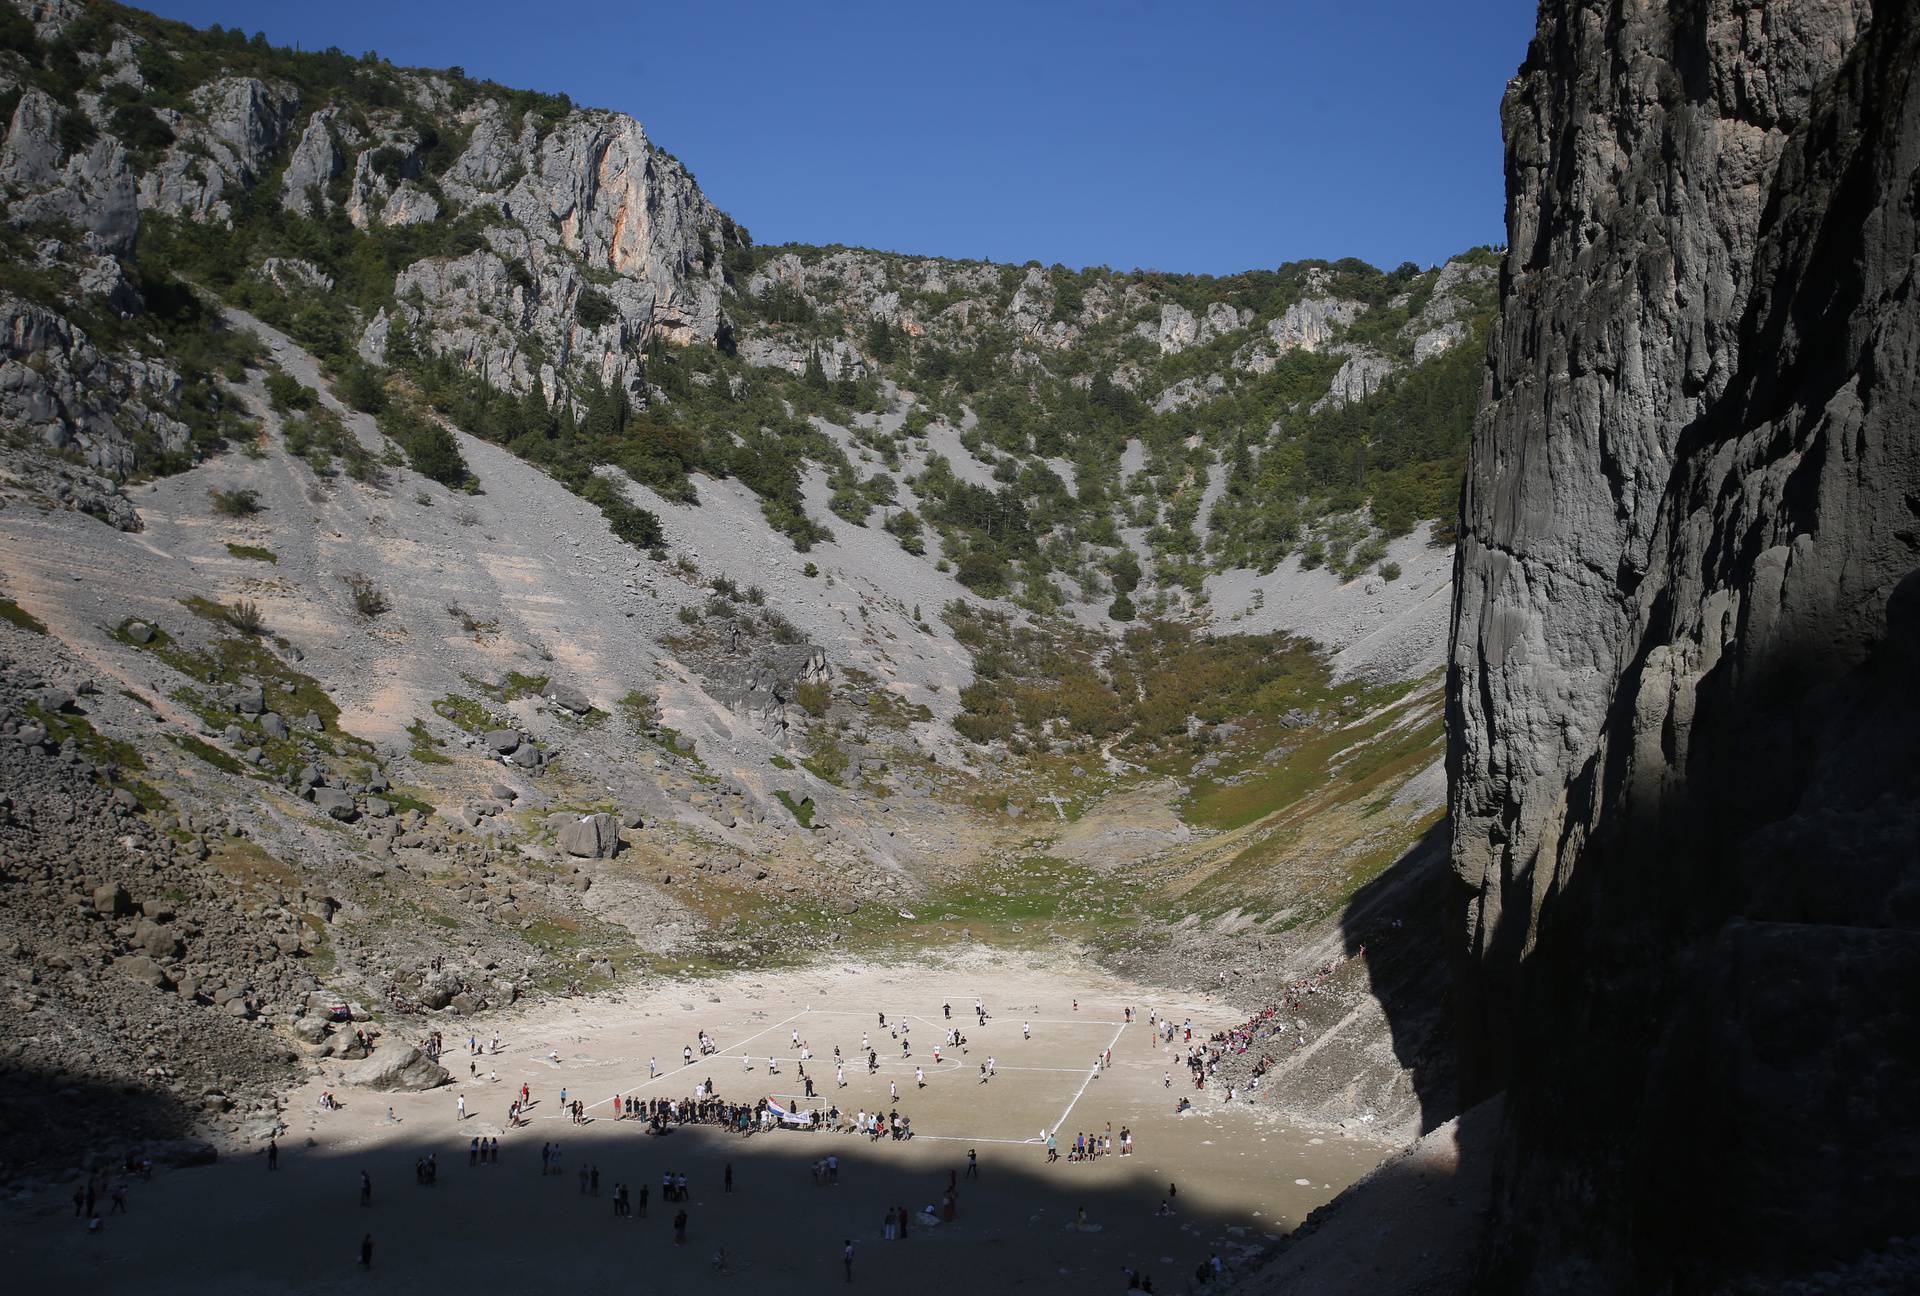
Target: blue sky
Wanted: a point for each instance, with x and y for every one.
(1208, 136)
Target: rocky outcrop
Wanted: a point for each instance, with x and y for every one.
(1180, 329)
(92, 189)
(58, 386)
(609, 246)
(1442, 323)
(226, 145)
(1361, 375)
(1687, 625)
(597, 187)
(314, 163)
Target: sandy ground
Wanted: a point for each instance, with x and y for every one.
(1245, 1175)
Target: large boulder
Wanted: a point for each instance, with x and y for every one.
(337, 802)
(157, 940)
(396, 1069)
(571, 698)
(112, 898)
(502, 742)
(596, 836)
(139, 967)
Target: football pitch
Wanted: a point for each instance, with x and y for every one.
(1041, 1068)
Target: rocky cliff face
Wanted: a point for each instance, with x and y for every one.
(558, 242)
(1683, 712)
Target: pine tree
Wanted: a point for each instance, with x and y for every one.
(816, 375)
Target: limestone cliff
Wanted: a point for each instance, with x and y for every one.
(530, 242)
(1683, 713)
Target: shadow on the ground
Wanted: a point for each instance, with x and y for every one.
(1399, 919)
(51, 1119)
(237, 1226)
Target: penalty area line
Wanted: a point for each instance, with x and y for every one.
(1092, 1071)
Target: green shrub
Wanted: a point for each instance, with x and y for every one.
(628, 521)
(235, 503)
(594, 309)
(246, 617)
(369, 600)
(814, 698)
(361, 388)
(287, 393)
(430, 448)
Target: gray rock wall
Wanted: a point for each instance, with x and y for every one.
(1682, 752)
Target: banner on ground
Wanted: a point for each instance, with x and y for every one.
(791, 1118)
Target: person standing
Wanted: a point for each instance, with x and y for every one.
(366, 1189)
(973, 1164)
(273, 1154)
(846, 1257)
(366, 1250)
(462, 1108)
(726, 1179)
(680, 1227)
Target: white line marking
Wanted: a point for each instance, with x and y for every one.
(1092, 1071)
(1037, 1021)
(719, 1053)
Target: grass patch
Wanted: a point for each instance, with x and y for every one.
(641, 709)
(14, 614)
(232, 658)
(253, 553)
(426, 748)
(113, 757)
(206, 751)
(801, 810)
(465, 712)
(1244, 791)
(682, 746)
(780, 762)
(402, 801)
(517, 686)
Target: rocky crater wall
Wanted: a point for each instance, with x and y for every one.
(1685, 780)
